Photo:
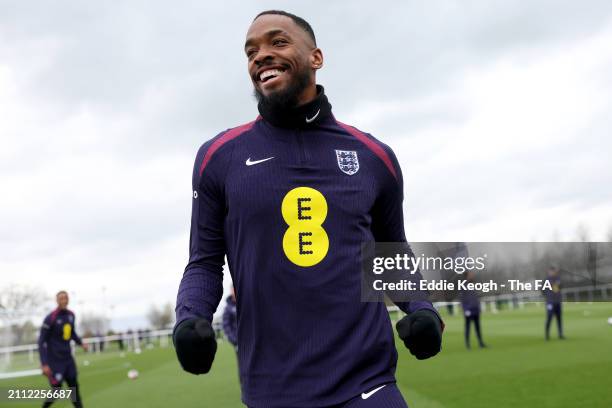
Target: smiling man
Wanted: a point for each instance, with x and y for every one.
(290, 198)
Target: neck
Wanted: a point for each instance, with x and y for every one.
(308, 95)
(313, 107)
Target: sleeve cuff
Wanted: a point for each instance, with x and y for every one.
(412, 307)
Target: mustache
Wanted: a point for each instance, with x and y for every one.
(284, 98)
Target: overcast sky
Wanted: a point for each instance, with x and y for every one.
(499, 113)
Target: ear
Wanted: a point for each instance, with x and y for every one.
(316, 58)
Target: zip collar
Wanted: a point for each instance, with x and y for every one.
(304, 116)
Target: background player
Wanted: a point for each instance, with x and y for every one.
(471, 312)
(553, 302)
(230, 321)
(58, 365)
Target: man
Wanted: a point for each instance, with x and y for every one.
(290, 198)
(54, 348)
(553, 302)
(471, 312)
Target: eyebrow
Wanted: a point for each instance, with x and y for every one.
(268, 34)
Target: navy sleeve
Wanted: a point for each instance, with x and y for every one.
(43, 337)
(388, 213)
(74, 335)
(388, 223)
(201, 287)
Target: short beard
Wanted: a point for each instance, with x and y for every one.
(286, 98)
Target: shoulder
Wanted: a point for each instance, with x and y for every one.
(378, 148)
(218, 145)
(50, 318)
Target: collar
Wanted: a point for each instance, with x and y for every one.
(307, 115)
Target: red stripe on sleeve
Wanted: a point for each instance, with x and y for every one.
(54, 315)
(227, 136)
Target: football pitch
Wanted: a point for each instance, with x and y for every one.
(519, 369)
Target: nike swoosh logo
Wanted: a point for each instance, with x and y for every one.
(314, 117)
(251, 163)
(366, 395)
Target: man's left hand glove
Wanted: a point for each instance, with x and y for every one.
(195, 345)
(421, 332)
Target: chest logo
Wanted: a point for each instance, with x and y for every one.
(309, 120)
(67, 331)
(250, 162)
(348, 161)
(305, 241)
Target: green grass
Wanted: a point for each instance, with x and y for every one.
(519, 369)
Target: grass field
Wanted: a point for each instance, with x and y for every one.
(519, 369)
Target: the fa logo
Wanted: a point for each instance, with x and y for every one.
(348, 161)
(543, 284)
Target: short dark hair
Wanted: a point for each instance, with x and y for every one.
(296, 19)
(61, 292)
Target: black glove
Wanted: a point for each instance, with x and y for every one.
(195, 345)
(421, 332)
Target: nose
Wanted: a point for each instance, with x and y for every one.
(264, 55)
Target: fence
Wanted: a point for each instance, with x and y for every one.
(132, 341)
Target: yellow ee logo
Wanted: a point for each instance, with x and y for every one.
(67, 331)
(305, 242)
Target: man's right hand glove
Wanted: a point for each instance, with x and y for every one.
(421, 332)
(195, 345)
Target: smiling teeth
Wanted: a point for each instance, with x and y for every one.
(268, 73)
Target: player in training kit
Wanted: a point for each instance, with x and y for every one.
(230, 320)
(471, 312)
(553, 302)
(54, 348)
(290, 198)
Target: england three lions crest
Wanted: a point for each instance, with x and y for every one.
(348, 161)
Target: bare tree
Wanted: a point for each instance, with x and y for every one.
(582, 233)
(18, 333)
(18, 305)
(92, 324)
(162, 317)
(25, 333)
(555, 237)
(20, 301)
